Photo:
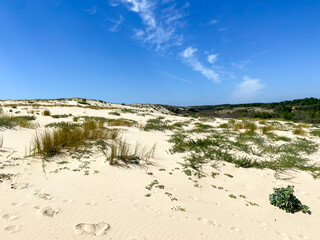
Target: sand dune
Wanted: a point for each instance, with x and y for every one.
(80, 196)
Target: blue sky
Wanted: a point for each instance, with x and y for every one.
(167, 51)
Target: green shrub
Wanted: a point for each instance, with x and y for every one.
(315, 133)
(46, 113)
(61, 116)
(224, 125)
(299, 131)
(12, 121)
(157, 124)
(114, 113)
(284, 199)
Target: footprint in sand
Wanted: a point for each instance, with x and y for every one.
(49, 212)
(10, 216)
(152, 210)
(91, 203)
(235, 229)
(303, 237)
(44, 196)
(20, 185)
(209, 222)
(92, 229)
(13, 228)
(17, 204)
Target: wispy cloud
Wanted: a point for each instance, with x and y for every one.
(174, 77)
(160, 30)
(212, 58)
(117, 24)
(247, 90)
(223, 29)
(240, 65)
(93, 10)
(188, 56)
(214, 21)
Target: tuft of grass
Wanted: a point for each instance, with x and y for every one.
(114, 113)
(52, 142)
(157, 124)
(63, 125)
(250, 127)
(9, 121)
(46, 113)
(266, 129)
(1, 141)
(121, 122)
(299, 131)
(224, 125)
(200, 128)
(61, 116)
(122, 151)
(315, 133)
(128, 110)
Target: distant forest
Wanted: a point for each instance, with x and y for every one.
(300, 110)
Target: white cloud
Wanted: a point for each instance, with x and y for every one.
(188, 52)
(117, 24)
(223, 29)
(212, 58)
(93, 10)
(240, 64)
(189, 57)
(247, 90)
(214, 21)
(160, 30)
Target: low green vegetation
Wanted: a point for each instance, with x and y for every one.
(61, 116)
(284, 198)
(217, 147)
(9, 121)
(157, 124)
(315, 133)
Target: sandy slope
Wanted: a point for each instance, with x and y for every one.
(61, 204)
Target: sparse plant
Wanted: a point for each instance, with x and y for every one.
(114, 113)
(285, 199)
(299, 131)
(51, 142)
(122, 151)
(46, 113)
(228, 175)
(232, 196)
(266, 129)
(315, 133)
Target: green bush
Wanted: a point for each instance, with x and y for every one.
(284, 199)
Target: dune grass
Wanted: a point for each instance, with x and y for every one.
(9, 121)
(61, 116)
(52, 142)
(121, 151)
(157, 124)
(121, 122)
(315, 133)
(46, 113)
(216, 147)
(299, 131)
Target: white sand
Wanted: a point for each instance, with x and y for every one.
(111, 204)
